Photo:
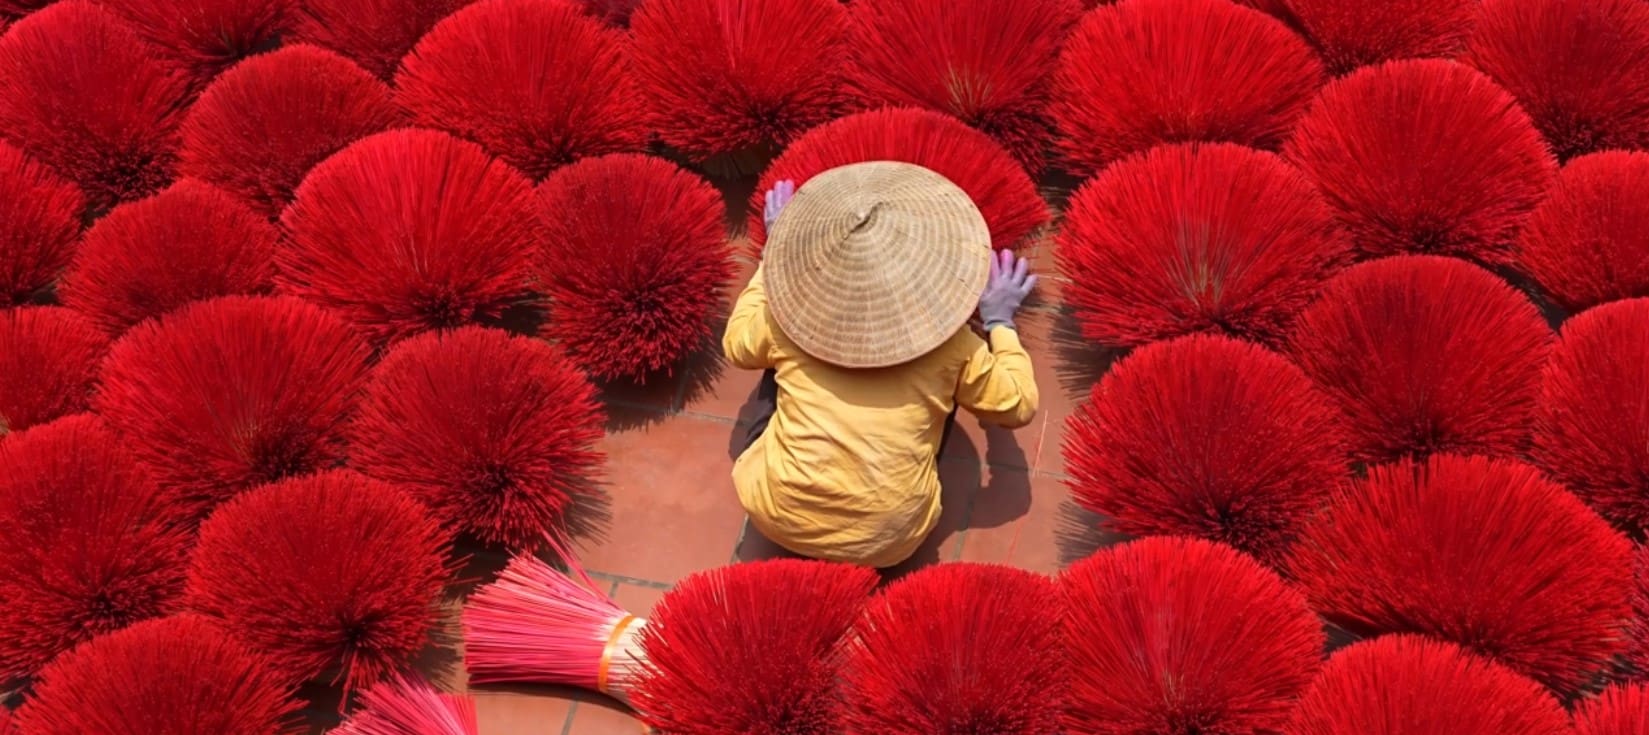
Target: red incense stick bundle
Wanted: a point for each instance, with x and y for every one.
(405, 706)
(538, 625)
(1622, 709)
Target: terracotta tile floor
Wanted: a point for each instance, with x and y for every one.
(671, 446)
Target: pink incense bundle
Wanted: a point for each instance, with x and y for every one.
(538, 625)
(405, 706)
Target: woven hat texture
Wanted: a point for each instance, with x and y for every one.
(875, 264)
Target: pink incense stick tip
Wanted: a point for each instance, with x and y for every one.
(404, 706)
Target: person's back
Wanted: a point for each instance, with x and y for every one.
(842, 465)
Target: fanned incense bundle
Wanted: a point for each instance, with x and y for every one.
(536, 624)
(406, 706)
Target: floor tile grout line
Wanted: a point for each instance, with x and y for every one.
(1041, 443)
(985, 464)
(708, 417)
(967, 521)
(669, 411)
(632, 581)
(572, 711)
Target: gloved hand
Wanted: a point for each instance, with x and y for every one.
(1007, 288)
(777, 197)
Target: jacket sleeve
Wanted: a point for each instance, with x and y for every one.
(997, 383)
(748, 342)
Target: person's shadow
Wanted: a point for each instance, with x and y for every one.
(1006, 496)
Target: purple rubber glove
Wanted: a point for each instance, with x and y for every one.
(777, 197)
(1007, 288)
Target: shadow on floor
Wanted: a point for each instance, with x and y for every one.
(637, 404)
(1079, 363)
(325, 709)
(590, 516)
(442, 660)
(478, 563)
(1006, 497)
(1080, 532)
(703, 369)
(524, 318)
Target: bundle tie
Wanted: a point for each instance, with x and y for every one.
(607, 653)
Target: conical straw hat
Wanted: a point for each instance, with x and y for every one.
(876, 264)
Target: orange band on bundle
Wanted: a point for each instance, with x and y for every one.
(607, 652)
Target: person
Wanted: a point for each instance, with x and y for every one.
(860, 317)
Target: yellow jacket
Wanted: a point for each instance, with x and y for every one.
(846, 470)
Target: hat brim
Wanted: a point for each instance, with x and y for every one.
(876, 264)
